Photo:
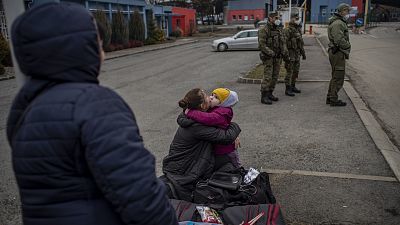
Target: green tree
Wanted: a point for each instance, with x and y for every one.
(120, 31)
(154, 34)
(136, 27)
(101, 19)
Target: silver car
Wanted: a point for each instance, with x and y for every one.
(247, 39)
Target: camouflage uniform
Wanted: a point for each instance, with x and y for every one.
(339, 50)
(273, 49)
(295, 45)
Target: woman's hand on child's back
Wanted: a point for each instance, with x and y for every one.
(237, 143)
(187, 111)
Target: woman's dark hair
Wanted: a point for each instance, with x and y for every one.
(192, 100)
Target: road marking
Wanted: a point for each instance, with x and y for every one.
(333, 175)
(322, 46)
(372, 36)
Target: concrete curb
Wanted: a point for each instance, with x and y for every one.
(389, 151)
(151, 49)
(244, 80)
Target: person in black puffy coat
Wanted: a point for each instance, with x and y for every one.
(77, 153)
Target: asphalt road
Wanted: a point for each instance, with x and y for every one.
(375, 59)
(299, 133)
(373, 68)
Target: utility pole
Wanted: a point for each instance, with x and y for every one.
(366, 13)
(12, 9)
(290, 9)
(304, 16)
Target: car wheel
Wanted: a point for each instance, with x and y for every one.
(222, 47)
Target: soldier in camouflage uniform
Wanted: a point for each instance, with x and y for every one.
(273, 49)
(339, 50)
(295, 45)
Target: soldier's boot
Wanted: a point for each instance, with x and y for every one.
(265, 99)
(288, 91)
(338, 103)
(295, 90)
(328, 101)
(272, 97)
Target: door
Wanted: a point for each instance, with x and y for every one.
(240, 40)
(253, 40)
(323, 14)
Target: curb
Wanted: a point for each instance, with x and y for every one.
(149, 50)
(244, 80)
(389, 151)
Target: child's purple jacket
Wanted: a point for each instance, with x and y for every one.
(218, 117)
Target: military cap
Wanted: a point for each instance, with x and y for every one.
(343, 6)
(273, 14)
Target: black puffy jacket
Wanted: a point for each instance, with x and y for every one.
(78, 156)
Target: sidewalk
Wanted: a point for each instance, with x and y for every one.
(126, 52)
(325, 168)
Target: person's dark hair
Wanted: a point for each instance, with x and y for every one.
(192, 100)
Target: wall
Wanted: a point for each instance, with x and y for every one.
(186, 18)
(359, 4)
(317, 15)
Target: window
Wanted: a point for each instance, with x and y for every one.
(246, 17)
(252, 17)
(234, 17)
(240, 17)
(243, 35)
(253, 34)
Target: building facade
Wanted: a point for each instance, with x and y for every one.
(322, 10)
(246, 11)
(185, 19)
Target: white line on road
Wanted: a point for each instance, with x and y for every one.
(372, 36)
(333, 175)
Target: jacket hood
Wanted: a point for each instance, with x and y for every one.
(184, 122)
(335, 17)
(232, 99)
(57, 42)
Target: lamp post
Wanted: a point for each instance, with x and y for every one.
(366, 13)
